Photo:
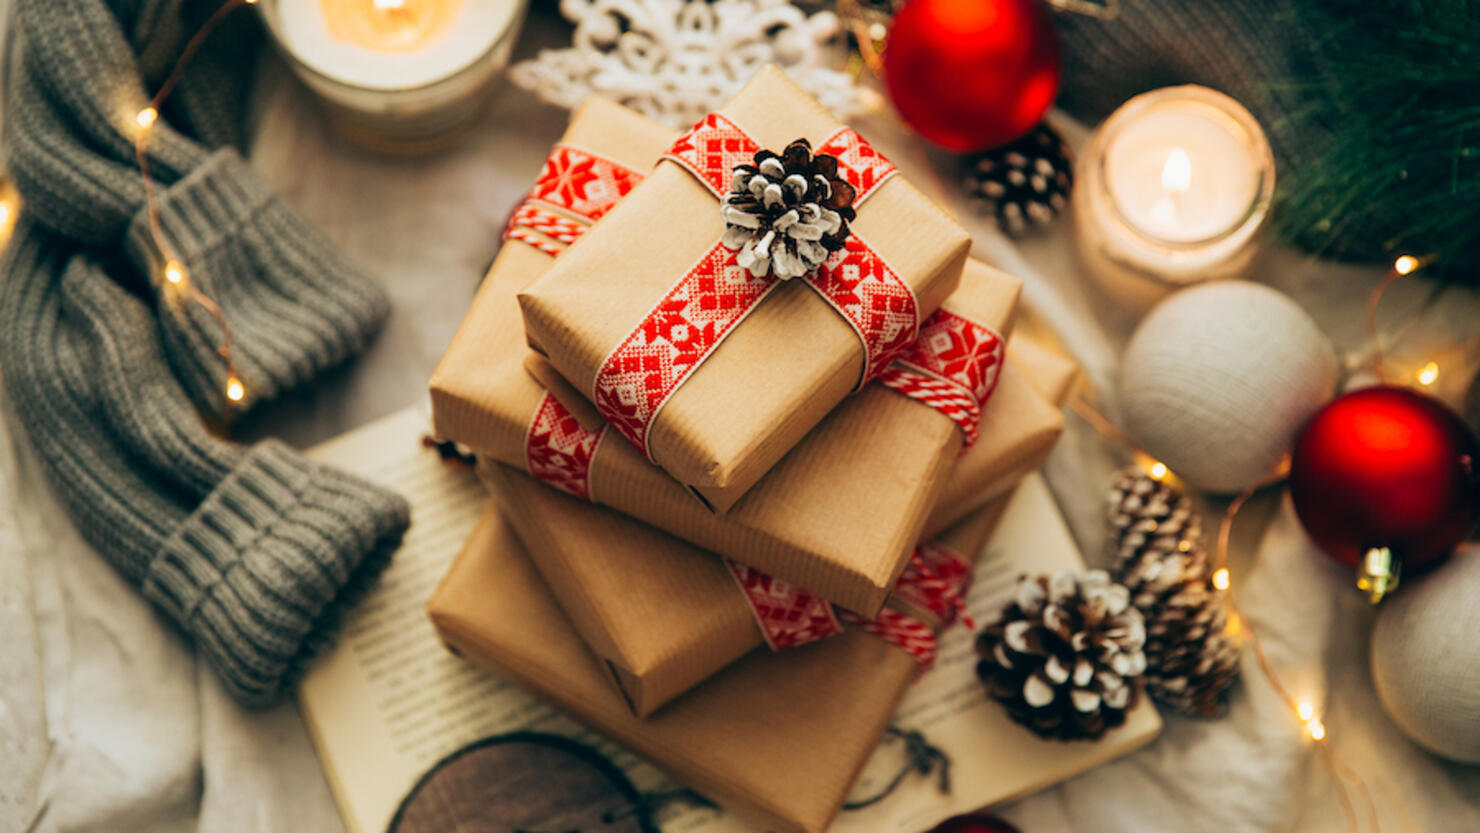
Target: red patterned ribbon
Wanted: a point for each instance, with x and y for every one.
(716, 294)
(788, 615)
(559, 450)
(576, 182)
(935, 580)
(953, 367)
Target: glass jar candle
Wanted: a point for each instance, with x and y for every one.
(401, 75)
(1173, 189)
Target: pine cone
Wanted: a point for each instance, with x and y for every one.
(1023, 184)
(1065, 657)
(1157, 553)
(787, 213)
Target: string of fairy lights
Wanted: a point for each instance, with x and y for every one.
(176, 278)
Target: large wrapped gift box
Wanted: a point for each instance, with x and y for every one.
(778, 738)
(867, 475)
(713, 371)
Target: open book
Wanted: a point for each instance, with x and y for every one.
(389, 701)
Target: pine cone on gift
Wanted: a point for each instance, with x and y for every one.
(1065, 656)
(1023, 184)
(787, 213)
(1157, 553)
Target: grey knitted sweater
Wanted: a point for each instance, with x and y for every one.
(252, 551)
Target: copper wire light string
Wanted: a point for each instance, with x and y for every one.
(175, 276)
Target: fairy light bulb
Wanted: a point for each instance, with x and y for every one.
(147, 117)
(174, 273)
(1405, 264)
(1306, 711)
(1158, 471)
(1220, 578)
(1428, 374)
(234, 389)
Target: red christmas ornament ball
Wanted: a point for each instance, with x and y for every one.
(974, 823)
(972, 74)
(1386, 467)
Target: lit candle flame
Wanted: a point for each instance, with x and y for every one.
(1176, 174)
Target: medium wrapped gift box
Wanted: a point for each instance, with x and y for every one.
(709, 369)
(1019, 429)
(778, 738)
(868, 474)
(665, 615)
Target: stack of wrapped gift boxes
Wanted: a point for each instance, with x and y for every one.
(747, 409)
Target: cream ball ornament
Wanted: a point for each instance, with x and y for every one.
(1219, 378)
(1426, 658)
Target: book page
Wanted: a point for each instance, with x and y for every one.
(390, 701)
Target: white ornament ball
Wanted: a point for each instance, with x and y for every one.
(1219, 378)
(1426, 658)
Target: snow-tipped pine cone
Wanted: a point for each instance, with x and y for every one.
(1157, 552)
(1065, 656)
(786, 213)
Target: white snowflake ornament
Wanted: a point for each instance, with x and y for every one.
(675, 61)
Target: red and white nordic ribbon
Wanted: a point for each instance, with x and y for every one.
(953, 367)
(716, 294)
(788, 616)
(575, 188)
(559, 450)
(935, 580)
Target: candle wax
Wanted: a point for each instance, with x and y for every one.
(1182, 173)
(388, 45)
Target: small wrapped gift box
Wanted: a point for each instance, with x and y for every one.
(867, 475)
(715, 340)
(778, 738)
(665, 615)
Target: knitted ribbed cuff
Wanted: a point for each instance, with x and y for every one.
(260, 574)
(295, 304)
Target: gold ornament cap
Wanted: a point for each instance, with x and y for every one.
(1379, 573)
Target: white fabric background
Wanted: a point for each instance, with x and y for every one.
(107, 722)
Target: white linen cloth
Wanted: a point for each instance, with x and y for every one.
(109, 723)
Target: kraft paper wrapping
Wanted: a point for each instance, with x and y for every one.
(1019, 430)
(778, 738)
(790, 361)
(664, 615)
(868, 474)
